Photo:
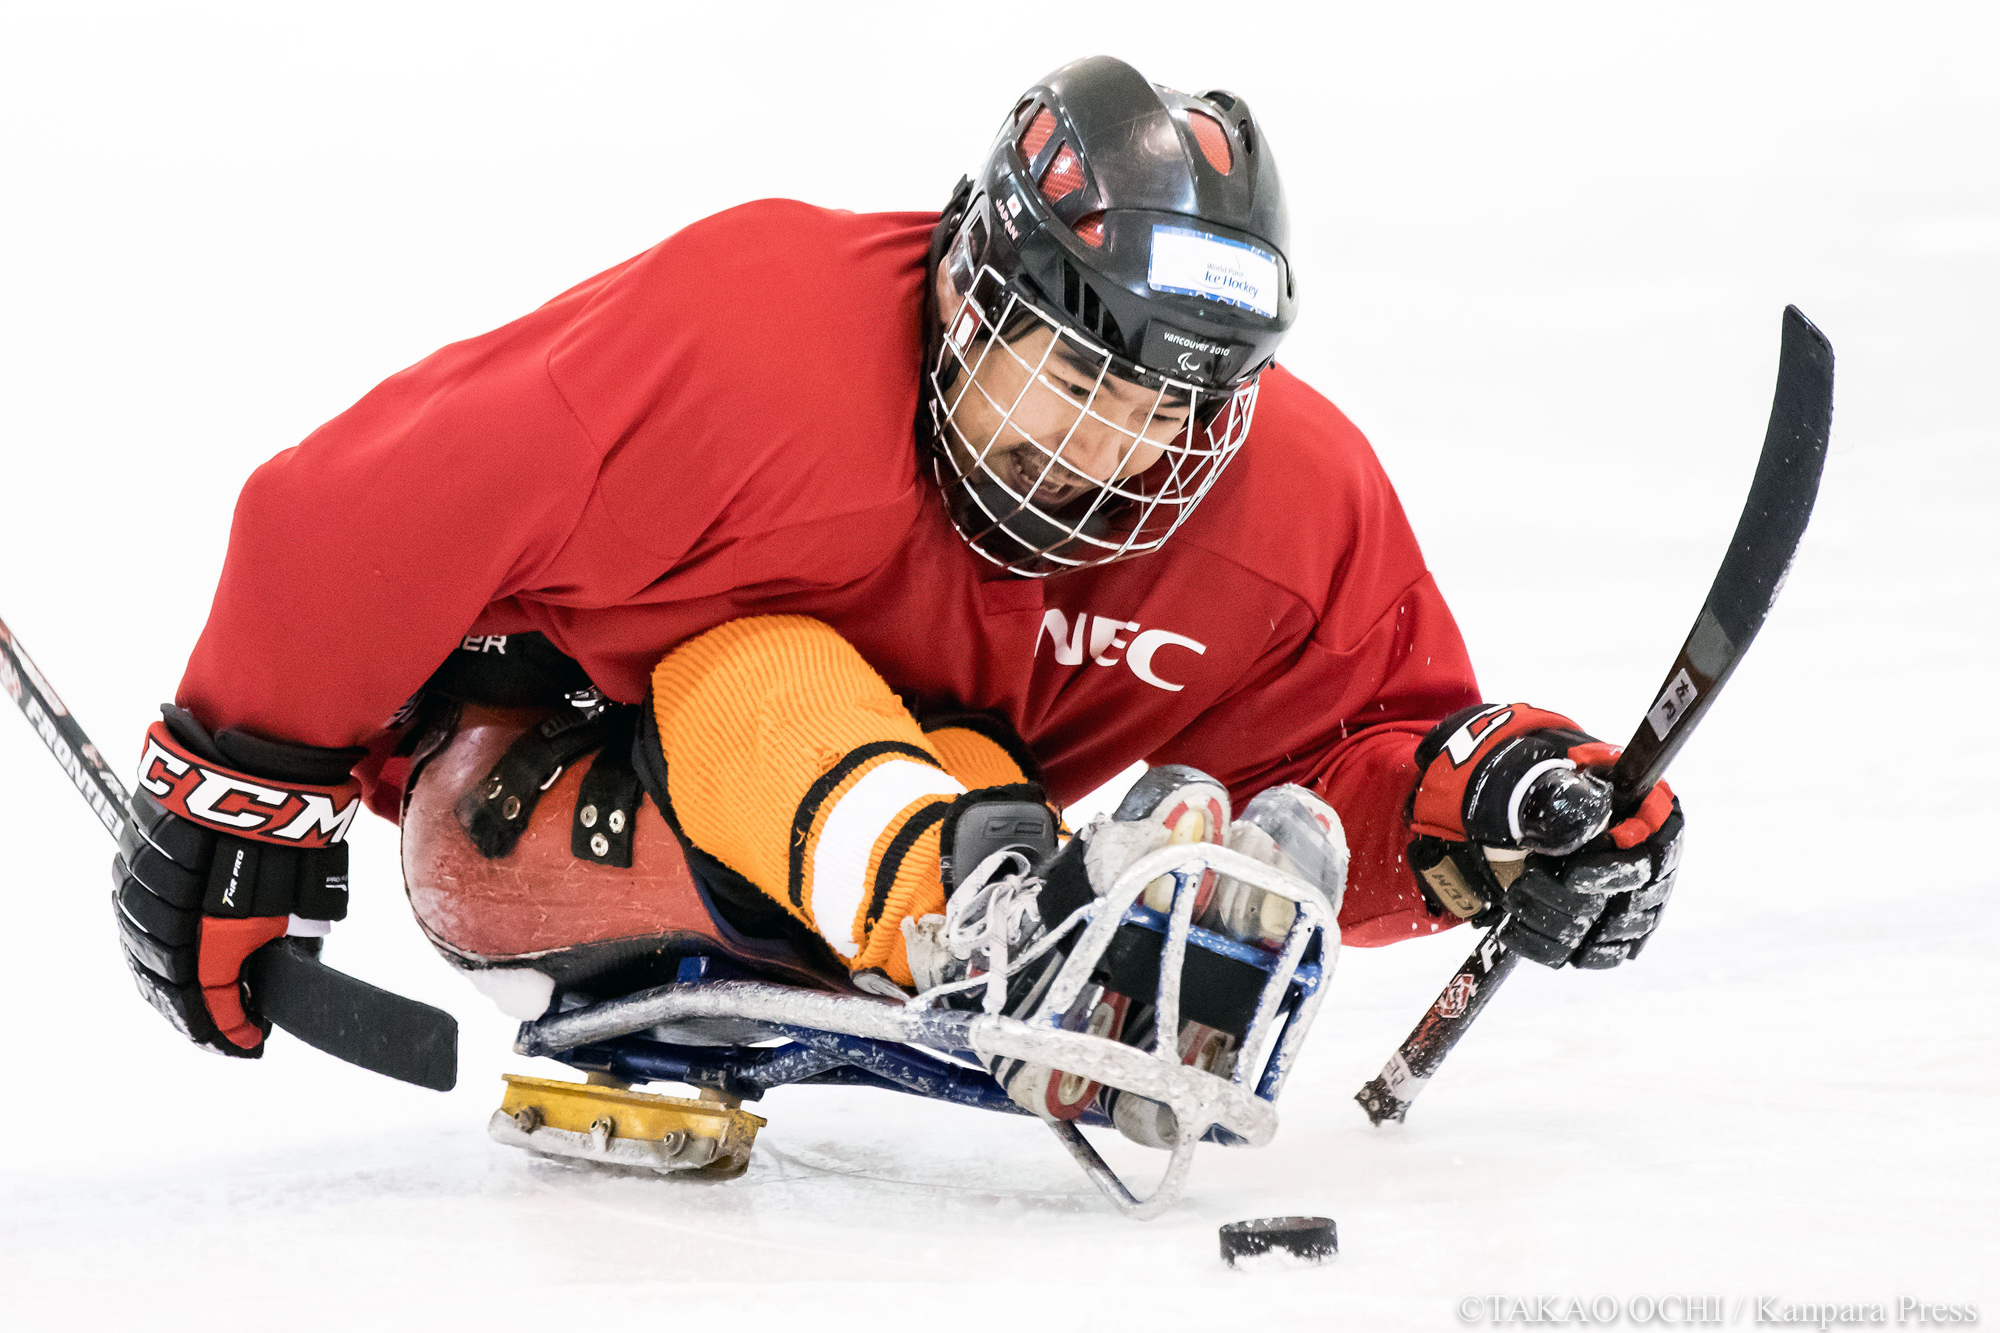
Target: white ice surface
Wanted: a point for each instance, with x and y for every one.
(1542, 253)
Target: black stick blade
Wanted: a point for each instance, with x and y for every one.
(1760, 554)
(1781, 495)
(364, 1025)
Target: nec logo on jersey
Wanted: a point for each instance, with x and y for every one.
(1463, 743)
(294, 815)
(1104, 638)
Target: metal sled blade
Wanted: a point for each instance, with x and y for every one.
(620, 1127)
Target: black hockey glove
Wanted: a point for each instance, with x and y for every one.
(1511, 818)
(216, 862)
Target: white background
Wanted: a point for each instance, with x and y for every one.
(1542, 254)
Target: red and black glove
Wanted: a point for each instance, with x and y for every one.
(1511, 820)
(234, 840)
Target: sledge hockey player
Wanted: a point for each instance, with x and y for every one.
(866, 542)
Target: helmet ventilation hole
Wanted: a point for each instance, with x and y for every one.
(1037, 134)
(1212, 139)
(1080, 299)
(1091, 231)
(1064, 176)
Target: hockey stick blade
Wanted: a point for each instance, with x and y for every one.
(1760, 555)
(1753, 570)
(352, 1020)
(328, 1010)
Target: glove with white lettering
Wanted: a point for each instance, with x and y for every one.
(233, 841)
(1511, 819)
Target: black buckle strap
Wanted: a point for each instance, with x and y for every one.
(495, 813)
(607, 804)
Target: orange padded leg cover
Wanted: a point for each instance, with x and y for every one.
(791, 761)
(974, 758)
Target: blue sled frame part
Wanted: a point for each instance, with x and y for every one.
(921, 1047)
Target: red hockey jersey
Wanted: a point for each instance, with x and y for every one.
(725, 426)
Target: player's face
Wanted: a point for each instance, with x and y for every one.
(1048, 427)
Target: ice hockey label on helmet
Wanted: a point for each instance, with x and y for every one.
(1195, 263)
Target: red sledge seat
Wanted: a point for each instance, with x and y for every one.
(541, 905)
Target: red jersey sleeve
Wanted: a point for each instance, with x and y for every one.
(677, 418)
(359, 557)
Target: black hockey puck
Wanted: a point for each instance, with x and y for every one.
(1280, 1242)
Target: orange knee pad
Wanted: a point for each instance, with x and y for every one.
(792, 762)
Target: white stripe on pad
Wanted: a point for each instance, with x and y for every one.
(840, 861)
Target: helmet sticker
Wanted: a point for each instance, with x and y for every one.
(1192, 355)
(1196, 263)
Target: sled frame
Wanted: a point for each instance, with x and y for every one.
(917, 1046)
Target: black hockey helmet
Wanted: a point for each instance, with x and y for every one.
(1147, 229)
(1094, 201)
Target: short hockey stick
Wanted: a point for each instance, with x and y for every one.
(1767, 537)
(330, 1010)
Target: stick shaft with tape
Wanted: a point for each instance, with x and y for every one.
(347, 1018)
(1388, 1095)
(79, 759)
(1753, 570)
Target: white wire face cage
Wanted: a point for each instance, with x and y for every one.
(1043, 448)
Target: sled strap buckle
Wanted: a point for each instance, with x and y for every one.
(607, 803)
(495, 812)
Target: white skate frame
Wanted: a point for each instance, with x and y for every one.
(1241, 1105)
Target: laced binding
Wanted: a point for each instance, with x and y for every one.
(983, 921)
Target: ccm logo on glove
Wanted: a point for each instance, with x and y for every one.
(216, 861)
(1463, 743)
(295, 815)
